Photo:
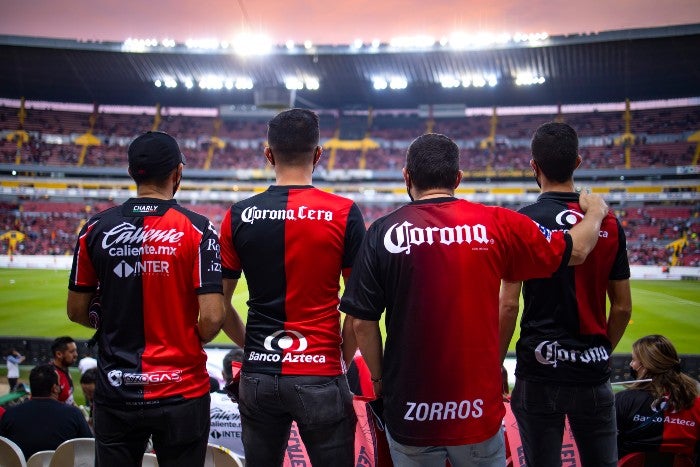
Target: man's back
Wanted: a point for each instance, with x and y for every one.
(151, 257)
(292, 243)
(43, 424)
(439, 264)
(563, 334)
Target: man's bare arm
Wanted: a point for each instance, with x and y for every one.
(211, 315)
(78, 307)
(233, 325)
(620, 309)
(509, 306)
(584, 234)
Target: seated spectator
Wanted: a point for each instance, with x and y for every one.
(87, 362)
(42, 423)
(87, 384)
(225, 419)
(661, 411)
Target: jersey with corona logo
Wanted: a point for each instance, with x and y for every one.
(292, 243)
(150, 259)
(563, 330)
(436, 266)
(646, 424)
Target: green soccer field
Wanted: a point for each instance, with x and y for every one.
(32, 303)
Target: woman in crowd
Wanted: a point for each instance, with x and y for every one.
(661, 412)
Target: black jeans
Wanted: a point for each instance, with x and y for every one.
(320, 405)
(180, 434)
(540, 410)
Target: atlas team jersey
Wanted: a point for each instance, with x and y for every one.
(151, 258)
(436, 267)
(563, 330)
(292, 243)
(645, 424)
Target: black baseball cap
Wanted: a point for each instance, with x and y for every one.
(154, 154)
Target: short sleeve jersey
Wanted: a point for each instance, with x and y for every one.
(563, 337)
(292, 243)
(150, 258)
(436, 267)
(644, 424)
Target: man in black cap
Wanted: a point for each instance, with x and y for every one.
(153, 270)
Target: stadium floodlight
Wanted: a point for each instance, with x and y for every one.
(376, 43)
(398, 83)
(491, 80)
(202, 44)
(449, 82)
(252, 44)
(243, 83)
(412, 42)
(356, 44)
(293, 83)
(211, 82)
(379, 84)
(228, 84)
(289, 44)
(188, 83)
(478, 81)
(528, 79)
(308, 44)
(169, 82)
(134, 45)
(168, 43)
(158, 83)
(312, 84)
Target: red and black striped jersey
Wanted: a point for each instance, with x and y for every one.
(150, 259)
(563, 336)
(645, 424)
(436, 267)
(292, 243)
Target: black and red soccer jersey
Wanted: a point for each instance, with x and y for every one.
(292, 243)
(645, 424)
(150, 258)
(65, 384)
(563, 336)
(436, 267)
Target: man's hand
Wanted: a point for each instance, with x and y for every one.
(592, 204)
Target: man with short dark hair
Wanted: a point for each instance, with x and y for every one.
(563, 355)
(293, 242)
(64, 353)
(436, 266)
(148, 274)
(43, 423)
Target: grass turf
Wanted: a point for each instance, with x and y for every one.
(32, 303)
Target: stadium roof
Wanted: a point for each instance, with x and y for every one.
(640, 64)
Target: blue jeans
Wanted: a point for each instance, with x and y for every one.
(180, 434)
(489, 453)
(540, 410)
(320, 405)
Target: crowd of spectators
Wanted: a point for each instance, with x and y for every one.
(661, 138)
(51, 227)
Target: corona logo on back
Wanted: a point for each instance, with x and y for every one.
(401, 237)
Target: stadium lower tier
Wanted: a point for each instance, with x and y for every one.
(657, 234)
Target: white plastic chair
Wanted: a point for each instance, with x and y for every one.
(40, 459)
(78, 452)
(10, 454)
(219, 456)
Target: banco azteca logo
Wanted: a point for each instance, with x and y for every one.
(286, 340)
(568, 217)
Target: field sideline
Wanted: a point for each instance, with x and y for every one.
(32, 303)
